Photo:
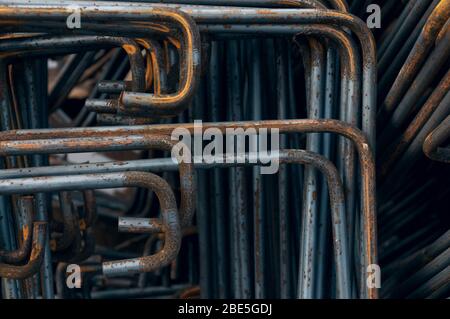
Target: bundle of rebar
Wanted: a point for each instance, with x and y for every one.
(224, 149)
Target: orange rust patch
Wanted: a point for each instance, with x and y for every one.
(130, 49)
(25, 232)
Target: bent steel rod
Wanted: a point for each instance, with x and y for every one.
(368, 202)
(153, 182)
(18, 47)
(139, 11)
(132, 101)
(433, 145)
(53, 146)
(285, 156)
(349, 105)
(33, 265)
(25, 207)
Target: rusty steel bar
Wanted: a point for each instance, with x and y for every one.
(151, 69)
(132, 142)
(286, 156)
(25, 211)
(245, 16)
(433, 145)
(159, 186)
(358, 138)
(34, 263)
(38, 45)
(137, 102)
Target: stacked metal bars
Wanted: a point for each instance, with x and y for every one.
(413, 130)
(245, 89)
